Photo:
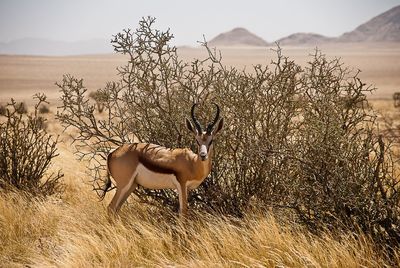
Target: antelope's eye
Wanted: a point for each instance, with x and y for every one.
(198, 143)
(210, 143)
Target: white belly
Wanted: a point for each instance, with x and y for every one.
(193, 184)
(153, 180)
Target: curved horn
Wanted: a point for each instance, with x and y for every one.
(212, 124)
(195, 121)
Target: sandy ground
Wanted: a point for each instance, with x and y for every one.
(22, 76)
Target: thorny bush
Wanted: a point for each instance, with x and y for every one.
(26, 151)
(99, 98)
(296, 139)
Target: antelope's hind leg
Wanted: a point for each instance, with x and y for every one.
(121, 195)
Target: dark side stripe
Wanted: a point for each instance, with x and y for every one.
(154, 167)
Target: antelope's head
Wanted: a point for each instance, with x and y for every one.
(204, 139)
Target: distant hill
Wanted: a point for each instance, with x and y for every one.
(237, 37)
(37, 46)
(382, 28)
(304, 39)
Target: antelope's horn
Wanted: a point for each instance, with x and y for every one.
(195, 121)
(212, 124)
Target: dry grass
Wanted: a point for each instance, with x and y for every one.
(73, 230)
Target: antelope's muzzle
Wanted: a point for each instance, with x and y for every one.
(203, 152)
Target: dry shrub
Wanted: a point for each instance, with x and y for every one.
(21, 108)
(296, 139)
(27, 151)
(3, 109)
(100, 98)
(44, 109)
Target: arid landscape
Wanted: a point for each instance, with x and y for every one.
(72, 228)
(22, 76)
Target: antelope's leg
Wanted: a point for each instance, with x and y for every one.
(112, 208)
(126, 192)
(121, 195)
(182, 190)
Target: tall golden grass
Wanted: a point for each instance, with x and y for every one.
(73, 230)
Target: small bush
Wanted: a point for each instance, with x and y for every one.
(27, 151)
(44, 109)
(100, 98)
(3, 109)
(21, 108)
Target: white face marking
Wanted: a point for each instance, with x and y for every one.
(203, 150)
(152, 180)
(204, 144)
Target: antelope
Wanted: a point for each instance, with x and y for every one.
(155, 167)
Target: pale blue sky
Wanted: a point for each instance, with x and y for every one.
(75, 20)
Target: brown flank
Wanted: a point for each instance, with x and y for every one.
(154, 167)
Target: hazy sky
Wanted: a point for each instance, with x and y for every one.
(75, 20)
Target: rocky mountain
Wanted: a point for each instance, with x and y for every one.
(304, 39)
(237, 37)
(382, 28)
(37, 46)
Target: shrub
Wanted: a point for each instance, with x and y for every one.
(21, 108)
(3, 109)
(26, 152)
(44, 109)
(295, 140)
(100, 98)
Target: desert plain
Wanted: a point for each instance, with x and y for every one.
(72, 230)
(22, 76)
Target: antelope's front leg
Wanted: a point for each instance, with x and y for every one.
(182, 191)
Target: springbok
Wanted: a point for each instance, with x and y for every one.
(155, 167)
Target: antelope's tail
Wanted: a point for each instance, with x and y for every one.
(106, 187)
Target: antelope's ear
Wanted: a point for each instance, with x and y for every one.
(219, 127)
(189, 125)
